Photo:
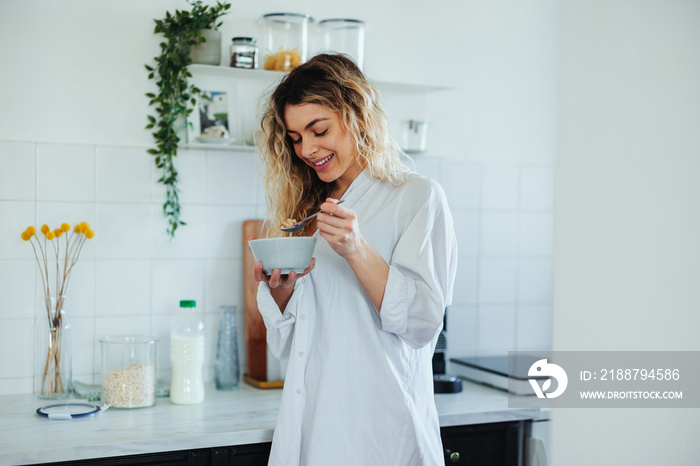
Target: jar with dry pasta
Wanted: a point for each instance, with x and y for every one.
(285, 41)
(129, 371)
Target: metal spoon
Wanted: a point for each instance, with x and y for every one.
(299, 225)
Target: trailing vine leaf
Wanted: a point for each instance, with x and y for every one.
(176, 95)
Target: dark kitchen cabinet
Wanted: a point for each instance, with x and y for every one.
(495, 444)
(239, 455)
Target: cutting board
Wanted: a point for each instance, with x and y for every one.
(255, 331)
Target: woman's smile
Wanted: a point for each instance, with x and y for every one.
(323, 163)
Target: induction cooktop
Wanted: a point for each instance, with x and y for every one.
(494, 371)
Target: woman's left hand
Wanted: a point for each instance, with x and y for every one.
(338, 225)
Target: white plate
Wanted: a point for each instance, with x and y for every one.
(222, 141)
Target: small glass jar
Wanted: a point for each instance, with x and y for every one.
(129, 371)
(285, 40)
(343, 35)
(244, 53)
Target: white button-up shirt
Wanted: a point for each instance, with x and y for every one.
(359, 388)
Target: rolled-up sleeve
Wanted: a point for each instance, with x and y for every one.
(279, 325)
(421, 271)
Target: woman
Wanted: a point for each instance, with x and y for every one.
(359, 326)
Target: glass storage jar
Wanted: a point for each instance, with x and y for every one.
(285, 40)
(129, 371)
(343, 35)
(244, 53)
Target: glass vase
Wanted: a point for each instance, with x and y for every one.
(226, 371)
(53, 355)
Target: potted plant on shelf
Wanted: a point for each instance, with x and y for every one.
(183, 31)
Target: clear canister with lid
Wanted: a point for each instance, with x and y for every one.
(129, 371)
(343, 35)
(244, 53)
(285, 41)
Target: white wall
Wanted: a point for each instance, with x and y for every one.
(627, 229)
(72, 148)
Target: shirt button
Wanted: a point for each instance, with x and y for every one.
(303, 316)
(299, 391)
(301, 353)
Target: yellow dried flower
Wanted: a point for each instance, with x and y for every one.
(30, 231)
(50, 235)
(77, 229)
(65, 227)
(45, 228)
(25, 236)
(58, 232)
(89, 234)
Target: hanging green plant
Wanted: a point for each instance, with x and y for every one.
(176, 97)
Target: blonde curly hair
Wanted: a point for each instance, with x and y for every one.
(292, 188)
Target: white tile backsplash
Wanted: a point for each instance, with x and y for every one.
(467, 224)
(536, 234)
(462, 330)
(499, 234)
(427, 166)
(123, 231)
(535, 280)
(467, 286)
(537, 188)
(188, 242)
(174, 280)
(83, 336)
(231, 178)
(224, 230)
(461, 181)
(122, 288)
(131, 276)
(123, 175)
(534, 327)
(15, 217)
(17, 288)
(17, 347)
(80, 291)
(66, 173)
(496, 327)
(500, 187)
(191, 167)
(223, 284)
(498, 280)
(17, 171)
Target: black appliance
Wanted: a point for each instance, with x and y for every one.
(442, 382)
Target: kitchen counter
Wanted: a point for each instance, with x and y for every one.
(244, 416)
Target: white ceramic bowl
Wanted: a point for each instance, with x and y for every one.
(289, 253)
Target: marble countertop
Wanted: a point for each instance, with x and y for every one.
(245, 415)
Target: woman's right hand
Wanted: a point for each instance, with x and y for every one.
(276, 279)
(281, 286)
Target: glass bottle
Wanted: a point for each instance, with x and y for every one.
(187, 355)
(226, 371)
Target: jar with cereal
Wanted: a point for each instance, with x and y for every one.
(129, 371)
